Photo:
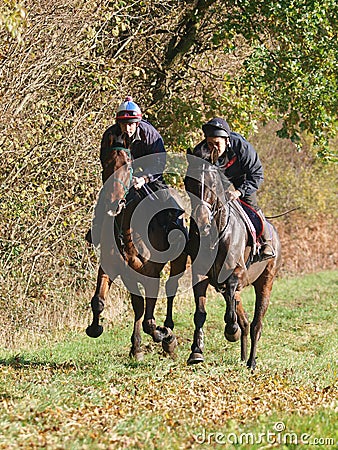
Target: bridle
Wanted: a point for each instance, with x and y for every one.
(120, 203)
(214, 208)
(125, 186)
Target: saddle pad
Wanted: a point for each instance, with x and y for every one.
(254, 217)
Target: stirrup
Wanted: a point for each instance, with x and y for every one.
(264, 256)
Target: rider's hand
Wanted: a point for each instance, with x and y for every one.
(234, 195)
(138, 182)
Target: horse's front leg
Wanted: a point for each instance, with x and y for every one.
(169, 343)
(232, 331)
(177, 268)
(197, 347)
(97, 303)
(151, 288)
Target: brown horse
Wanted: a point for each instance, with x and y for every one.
(221, 250)
(135, 252)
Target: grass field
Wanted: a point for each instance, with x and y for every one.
(72, 392)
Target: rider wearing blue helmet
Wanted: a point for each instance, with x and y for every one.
(145, 143)
(138, 135)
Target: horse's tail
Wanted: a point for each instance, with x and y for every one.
(282, 214)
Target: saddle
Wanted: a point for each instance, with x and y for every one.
(164, 205)
(252, 221)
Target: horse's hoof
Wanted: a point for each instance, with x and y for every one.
(149, 327)
(251, 364)
(138, 356)
(157, 336)
(234, 337)
(195, 358)
(94, 331)
(161, 333)
(169, 344)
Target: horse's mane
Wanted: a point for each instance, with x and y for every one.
(202, 151)
(117, 157)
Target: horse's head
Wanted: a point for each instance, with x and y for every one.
(117, 176)
(206, 187)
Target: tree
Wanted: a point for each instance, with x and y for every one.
(285, 54)
(12, 18)
(250, 59)
(292, 66)
(65, 65)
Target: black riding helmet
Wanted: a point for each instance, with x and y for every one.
(216, 127)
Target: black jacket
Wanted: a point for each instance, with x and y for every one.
(146, 143)
(241, 165)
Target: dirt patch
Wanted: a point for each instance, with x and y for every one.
(308, 244)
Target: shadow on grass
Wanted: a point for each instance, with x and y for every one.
(20, 362)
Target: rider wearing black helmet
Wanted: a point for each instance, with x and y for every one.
(239, 162)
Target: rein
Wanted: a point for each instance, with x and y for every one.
(125, 187)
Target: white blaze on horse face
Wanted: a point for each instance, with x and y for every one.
(203, 211)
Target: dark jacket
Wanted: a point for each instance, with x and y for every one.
(146, 142)
(241, 165)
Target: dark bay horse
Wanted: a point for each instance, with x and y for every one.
(221, 251)
(136, 251)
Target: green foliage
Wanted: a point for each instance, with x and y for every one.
(66, 65)
(292, 64)
(13, 19)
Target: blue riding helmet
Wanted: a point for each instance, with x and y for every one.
(128, 111)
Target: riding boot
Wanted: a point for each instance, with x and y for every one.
(267, 250)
